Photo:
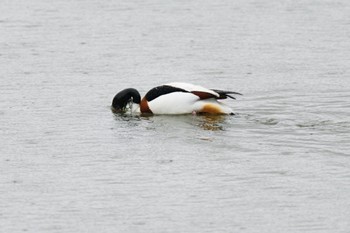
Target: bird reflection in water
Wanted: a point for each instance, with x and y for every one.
(211, 122)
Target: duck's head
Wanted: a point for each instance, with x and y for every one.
(121, 100)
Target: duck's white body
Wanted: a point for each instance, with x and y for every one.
(182, 98)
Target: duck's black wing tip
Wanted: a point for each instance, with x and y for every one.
(225, 94)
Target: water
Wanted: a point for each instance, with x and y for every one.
(68, 164)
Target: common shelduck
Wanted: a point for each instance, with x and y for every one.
(174, 98)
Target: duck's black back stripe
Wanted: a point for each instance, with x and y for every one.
(161, 90)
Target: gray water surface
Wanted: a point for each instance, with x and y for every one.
(281, 164)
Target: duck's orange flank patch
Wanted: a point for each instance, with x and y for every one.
(211, 108)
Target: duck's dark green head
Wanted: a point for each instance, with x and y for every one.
(121, 99)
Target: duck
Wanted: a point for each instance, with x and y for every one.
(174, 99)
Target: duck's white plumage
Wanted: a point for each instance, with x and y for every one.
(174, 103)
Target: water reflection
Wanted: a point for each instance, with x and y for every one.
(205, 122)
(211, 122)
